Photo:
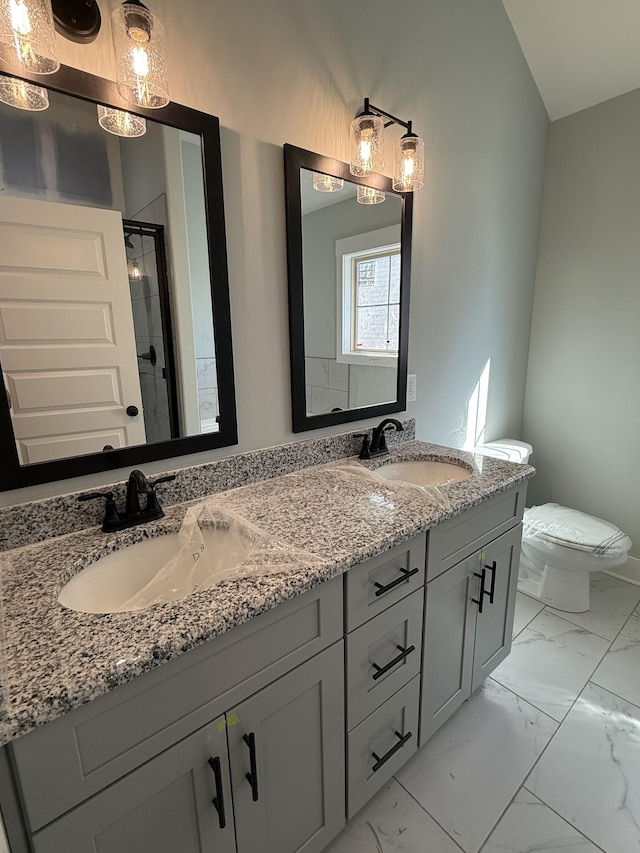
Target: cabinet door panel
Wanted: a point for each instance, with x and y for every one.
(298, 725)
(449, 626)
(163, 807)
(494, 625)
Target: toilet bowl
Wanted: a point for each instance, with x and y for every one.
(560, 549)
(561, 546)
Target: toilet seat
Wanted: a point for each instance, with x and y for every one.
(552, 525)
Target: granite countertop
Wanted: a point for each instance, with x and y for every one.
(55, 659)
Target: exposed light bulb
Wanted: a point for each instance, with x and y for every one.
(140, 61)
(27, 35)
(408, 170)
(368, 151)
(138, 42)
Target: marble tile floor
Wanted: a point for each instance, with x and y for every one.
(544, 757)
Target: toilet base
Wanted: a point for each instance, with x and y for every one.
(558, 588)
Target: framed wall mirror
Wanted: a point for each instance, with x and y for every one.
(349, 265)
(115, 329)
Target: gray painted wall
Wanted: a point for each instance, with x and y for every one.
(582, 409)
(298, 74)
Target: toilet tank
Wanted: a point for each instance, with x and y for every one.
(506, 448)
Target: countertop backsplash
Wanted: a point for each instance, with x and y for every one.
(27, 523)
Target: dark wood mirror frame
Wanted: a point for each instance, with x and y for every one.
(296, 159)
(88, 87)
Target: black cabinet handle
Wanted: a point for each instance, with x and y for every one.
(479, 601)
(394, 583)
(252, 777)
(380, 670)
(218, 800)
(392, 751)
(492, 568)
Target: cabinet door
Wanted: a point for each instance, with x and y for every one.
(500, 560)
(449, 626)
(164, 806)
(286, 748)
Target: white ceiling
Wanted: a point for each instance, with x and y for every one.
(580, 52)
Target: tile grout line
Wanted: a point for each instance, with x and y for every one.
(562, 818)
(551, 739)
(523, 784)
(428, 813)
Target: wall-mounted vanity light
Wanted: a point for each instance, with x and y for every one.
(120, 122)
(25, 96)
(27, 36)
(369, 195)
(327, 183)
(138, 42)
(27, 44)
(367, 157)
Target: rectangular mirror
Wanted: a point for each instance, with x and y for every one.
(115, 336)
(349, 259)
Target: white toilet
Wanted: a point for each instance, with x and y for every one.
(561, 546)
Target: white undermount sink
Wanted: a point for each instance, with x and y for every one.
(138, 572)
(423, 472)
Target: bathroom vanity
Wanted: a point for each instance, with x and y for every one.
(269, 735)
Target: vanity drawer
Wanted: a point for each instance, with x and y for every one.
(68, 760)
(453, 540)
(381, 744)
(382, 656)
(376, 584)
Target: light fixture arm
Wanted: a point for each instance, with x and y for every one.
(370, 109)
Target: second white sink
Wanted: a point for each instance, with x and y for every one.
(423, 472)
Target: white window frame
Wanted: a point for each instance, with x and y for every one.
(384, 240)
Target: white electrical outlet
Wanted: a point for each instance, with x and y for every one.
(411, 388)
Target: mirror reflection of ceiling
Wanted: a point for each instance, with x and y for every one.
(351, 275)
(130, 356)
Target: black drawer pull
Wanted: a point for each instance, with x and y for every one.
(492, 568)
(380, 670)
(480, 600)
(218, 800)
(252, 777)
(392, 751)
(380, 589)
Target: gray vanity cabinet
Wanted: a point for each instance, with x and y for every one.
(292, 799)
(274, 766)
(163, 807)
(462, 645)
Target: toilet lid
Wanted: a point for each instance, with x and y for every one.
(560, 525)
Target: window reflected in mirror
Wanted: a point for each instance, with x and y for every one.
(349, 271)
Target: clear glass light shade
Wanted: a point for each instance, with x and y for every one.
(135, 273)
(141, 68)
(408, 164)
(23, 95)
(27, 36)
(369, 195)
(368, 145)
(121, 123)
(327, 183)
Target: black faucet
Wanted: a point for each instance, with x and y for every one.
(378, 444)
(137, 485)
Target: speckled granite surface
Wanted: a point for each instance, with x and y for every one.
(23, 524)
(56, 659)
